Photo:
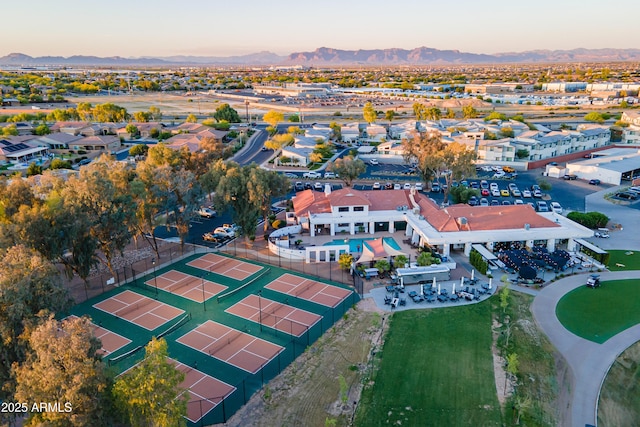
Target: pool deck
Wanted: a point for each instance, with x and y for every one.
(323, 239)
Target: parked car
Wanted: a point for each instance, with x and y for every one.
(556, 207)
(311, 175)
(329, 175)
(318, 186)
(290, 175)
(526, 194)
(493, 186)
(473, 201)
(602, 233)
(225, 231)
(205, 212)
(377, 186)
(484, 192)
(373, 162)
(537, 194)
(484, 202)
(626, 195)
(407, 186)
(419, 186)
(516, 192)
(570, 177)
(508, 169)
(498, 174)
(518, 202)
(484, 184)
(397, 186)
(299, 186)
(494, 202)
(213, 237)
(388, 186)
(541, 206)
(495, 192)
(594, 181)
(505, 193)
(506, 203)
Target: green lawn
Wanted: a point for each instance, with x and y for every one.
(598, 314)
(435, 370)
(630, 262)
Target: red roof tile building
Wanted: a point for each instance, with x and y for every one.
(425, 223)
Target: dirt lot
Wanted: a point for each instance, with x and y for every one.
(308, 392)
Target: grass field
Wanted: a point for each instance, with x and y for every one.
(620, 394)
(598, 314)
(630, 262)
(435, 369)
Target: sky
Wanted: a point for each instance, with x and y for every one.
(133, 28)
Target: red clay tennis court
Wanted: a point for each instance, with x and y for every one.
(224, 266)
(274, 314)
(186, 285)
(205, 392)
(111, 342)
(229, 345)
(139, 310)
(309, 290)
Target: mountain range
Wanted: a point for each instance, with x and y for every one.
(336, 57)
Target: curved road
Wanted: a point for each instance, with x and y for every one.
(589, 362)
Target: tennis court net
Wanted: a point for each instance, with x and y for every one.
(133, 307)
(223, 342)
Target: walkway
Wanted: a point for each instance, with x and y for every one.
(589, 362)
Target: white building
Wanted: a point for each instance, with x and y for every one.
(350, 132)
(350, 212)
(610, 166)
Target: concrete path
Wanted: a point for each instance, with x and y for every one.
(589, 362)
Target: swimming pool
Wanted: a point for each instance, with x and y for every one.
(355, 245)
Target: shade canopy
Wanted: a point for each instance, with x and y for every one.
(373, 250)
(527, 272)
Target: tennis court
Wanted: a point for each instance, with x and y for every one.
(185, 285)
(205, 391)
(310, 290)
(273, 314)
(228, 267)
(139, 310)
(111, 342)
(229, 345)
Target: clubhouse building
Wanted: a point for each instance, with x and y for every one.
(457, 227)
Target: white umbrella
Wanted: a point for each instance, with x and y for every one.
(422, 290)
(461, 282)
(453, 291)
(490, 279)
(433, 286)
(438, 289)
(472, 273)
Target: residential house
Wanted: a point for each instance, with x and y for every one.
(15, 150)
(58, 140)
(104, 143)
(298, 156)
(350, 132)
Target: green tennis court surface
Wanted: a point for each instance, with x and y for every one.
(232, 339)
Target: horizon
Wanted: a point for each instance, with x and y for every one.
(198, 28)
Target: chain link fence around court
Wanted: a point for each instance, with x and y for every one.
(330, 270)
(294, 346)
(134, 264)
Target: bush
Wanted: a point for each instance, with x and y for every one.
(476, 260)
(590, 219)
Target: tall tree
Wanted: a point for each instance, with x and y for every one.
(390, 115)
(273, 117)
(111, 209)
(149, 393)
(469, 112)
(191, 118)
(369, 113)
(156, 114)
(63, 367)
(226, 113)
(347, 168)
(29, 286)
(276, 142)
(458, 160)
(264, 185)
(426, 149)
(233, 190)
(109, 112)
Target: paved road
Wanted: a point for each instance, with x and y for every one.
(252, 151)
(589, 362)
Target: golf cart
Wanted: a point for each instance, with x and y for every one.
(603, 233)
(593, 281)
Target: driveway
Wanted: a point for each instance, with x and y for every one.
(589, 362)
(628, 218)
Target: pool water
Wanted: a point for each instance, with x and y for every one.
(355, 245)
